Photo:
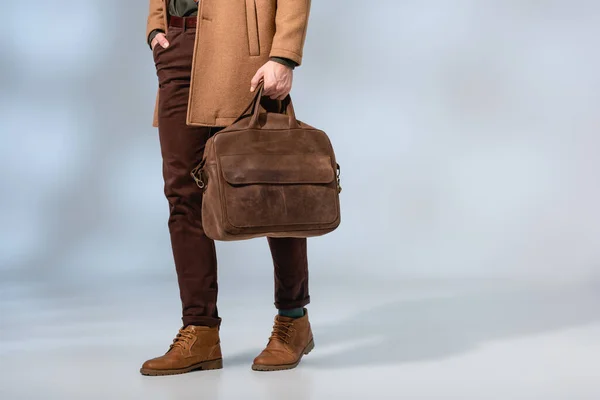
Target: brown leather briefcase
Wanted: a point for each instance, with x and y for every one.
(268, 174)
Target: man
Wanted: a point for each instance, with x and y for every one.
(209, 59)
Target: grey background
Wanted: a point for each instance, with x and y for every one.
(467, 132)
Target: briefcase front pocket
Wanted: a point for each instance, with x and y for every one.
(278, 190)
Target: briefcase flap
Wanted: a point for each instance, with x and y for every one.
(251, 169)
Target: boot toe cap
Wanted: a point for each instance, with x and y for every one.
(270, 357)
(154, 364)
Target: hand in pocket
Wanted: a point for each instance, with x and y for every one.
(161, 40)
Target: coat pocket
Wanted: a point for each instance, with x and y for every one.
(252, 26)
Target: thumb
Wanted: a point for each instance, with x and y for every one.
(256, 79)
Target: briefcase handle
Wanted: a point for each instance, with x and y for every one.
(253, 109)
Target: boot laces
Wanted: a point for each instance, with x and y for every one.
(282, 331)
(182, 340)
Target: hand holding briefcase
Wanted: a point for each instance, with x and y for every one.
(268, 174)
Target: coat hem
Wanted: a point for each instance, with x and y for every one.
(216, 122)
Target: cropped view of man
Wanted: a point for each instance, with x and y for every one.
(210, 56)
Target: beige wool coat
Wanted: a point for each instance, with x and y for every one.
(234, 38)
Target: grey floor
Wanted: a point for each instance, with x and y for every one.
(374, 340)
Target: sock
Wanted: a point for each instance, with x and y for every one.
(292, 313)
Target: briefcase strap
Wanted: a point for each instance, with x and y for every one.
(253, 109)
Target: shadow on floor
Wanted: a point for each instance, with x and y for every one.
(419, 330)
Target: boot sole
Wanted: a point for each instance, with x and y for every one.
(203, 366)
(309, 347)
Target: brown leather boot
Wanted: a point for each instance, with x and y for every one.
(194, 348)
(291, 339)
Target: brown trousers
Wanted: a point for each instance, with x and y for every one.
(182, 147)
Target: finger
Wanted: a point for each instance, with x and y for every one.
(269, 89)
(163, 41)
(274, 87)
(276, 94)
(287, 91)
(280, 92)
(268, 85)
(256, 79)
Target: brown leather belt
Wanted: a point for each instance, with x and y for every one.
(182, 22)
